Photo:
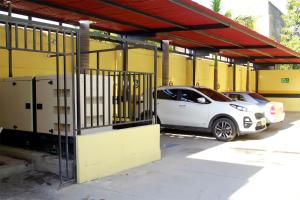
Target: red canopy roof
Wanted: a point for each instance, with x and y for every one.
(183, 22)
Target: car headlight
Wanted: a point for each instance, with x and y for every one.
(240, 108)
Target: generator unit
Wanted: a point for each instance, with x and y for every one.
(31, 103)
(16, 102)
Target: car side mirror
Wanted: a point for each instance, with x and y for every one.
(201, 100)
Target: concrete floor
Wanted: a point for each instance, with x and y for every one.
(259, 166)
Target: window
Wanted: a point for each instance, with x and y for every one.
(189, 96)
(258, 98)
(216, 96)
(167, 94)
(236, 97)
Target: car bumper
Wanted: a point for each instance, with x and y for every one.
(257, 125)
(276, 118)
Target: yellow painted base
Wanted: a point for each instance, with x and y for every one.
(106, 153)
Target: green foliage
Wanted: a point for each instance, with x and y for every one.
(216, 5)
(248, 21)
(291, 32)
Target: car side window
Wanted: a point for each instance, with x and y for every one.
(237, 97)
(168, 94)
(189, 96)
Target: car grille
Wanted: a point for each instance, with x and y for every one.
(259, 115)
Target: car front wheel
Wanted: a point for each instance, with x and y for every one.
(224, 130)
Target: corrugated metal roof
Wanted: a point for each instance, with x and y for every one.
(183, 22)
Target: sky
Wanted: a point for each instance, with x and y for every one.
(235, 4)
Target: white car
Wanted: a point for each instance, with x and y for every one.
(274, 111)
(207, 110)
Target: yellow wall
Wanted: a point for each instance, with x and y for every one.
(140, 60)
(270, 81)
(104, 154)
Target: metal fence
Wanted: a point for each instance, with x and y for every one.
(37, 37)
(115, 98)
(99, 98)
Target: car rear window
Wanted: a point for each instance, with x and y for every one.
(216, 96)
(258, 98)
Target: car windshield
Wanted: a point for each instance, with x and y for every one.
(216, 96)
(258, 98)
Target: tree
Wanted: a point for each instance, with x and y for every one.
(246, 20)
(216, 5)
(291, 32)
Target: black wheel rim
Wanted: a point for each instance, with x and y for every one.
(224, 130)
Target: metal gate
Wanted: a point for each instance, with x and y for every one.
(59, 43)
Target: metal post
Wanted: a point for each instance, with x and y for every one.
(165, 62)
(248, 77)
(257, 80)
(78, 102)
(155, 85)
(234, 77)
(194, 68)
(216, 72)
(10, 72)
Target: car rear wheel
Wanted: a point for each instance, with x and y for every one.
(224, 130)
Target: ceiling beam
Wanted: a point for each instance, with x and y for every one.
(274, 57)
(88, 14)
(242, 47)
(177, 29)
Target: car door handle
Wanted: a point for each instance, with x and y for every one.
(182, 105)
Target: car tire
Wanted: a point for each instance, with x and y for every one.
(224, 130)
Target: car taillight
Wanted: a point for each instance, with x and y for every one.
(273, 111)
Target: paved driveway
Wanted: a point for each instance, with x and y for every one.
(261, 166)
(197, 167)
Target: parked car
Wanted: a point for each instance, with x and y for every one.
(204, 109)
(274, 111)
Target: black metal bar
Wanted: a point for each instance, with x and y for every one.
(66, 105)
(16, 36)
(234, 77)
(114, 98)
(239, 47)
(10, 70)
(155, 86)
(25, 37)
(58, 111)
(152, 32)
(134, 97)
(122, 123)
(97, 85)
(257, 81)
(119, 97)
(103, 97)
(91, 98)
(194, 68)
(73, 104)
(144, 96)
(84, 97)
(124, 96)
(109, 99)
(78, 95)
(129, 96)
(139, 96)
(49, 41)
(34, 38)
(150, 97)
(41, 41)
